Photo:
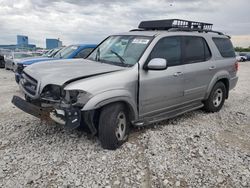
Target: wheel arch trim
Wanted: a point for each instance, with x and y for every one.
(217, 77)
(112, 96)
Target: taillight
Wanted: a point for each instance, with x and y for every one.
(236, 65)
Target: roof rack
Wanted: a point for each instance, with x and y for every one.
(174, 23)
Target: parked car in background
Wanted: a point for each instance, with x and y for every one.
(156, 72)
(69, 52)
(51, 53)
(248, 57)
(3, 54)
(2, 62)
(42, 51)
(241, 58)
(11, 61)
(36, 54)
(245, 55)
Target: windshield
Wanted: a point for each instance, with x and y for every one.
(51, 53)
(47, 53)
(121, 50)
(65, 52)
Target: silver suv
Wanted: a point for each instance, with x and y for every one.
(161, 70)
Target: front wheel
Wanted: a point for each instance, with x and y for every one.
(216, 98)
(113, 126)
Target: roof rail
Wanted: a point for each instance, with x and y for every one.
(174, 23)
(198, 30)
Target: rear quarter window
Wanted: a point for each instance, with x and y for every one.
(225, 47)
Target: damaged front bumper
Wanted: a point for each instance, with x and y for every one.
(69, 117)
(39, 112)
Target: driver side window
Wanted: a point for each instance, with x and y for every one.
(168, 48)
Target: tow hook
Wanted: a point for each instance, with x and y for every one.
(70, 118)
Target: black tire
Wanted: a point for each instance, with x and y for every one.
(2, 64)
(110, 118)
(210, 105)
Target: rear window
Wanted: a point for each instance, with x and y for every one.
(195, 50)
(84, 53)
(225, 47)
(66, 52)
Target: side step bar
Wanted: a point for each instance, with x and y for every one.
(167, 115)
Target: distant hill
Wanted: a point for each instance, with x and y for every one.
(240, 49)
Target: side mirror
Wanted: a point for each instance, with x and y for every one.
(157, 64)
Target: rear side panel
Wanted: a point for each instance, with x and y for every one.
(224, 66)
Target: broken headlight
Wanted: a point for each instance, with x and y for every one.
(77, 96)
(53, 92)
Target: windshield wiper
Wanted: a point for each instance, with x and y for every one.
(120, 57)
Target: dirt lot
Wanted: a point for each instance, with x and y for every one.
(196, 149)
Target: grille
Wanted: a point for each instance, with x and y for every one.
(29, 84)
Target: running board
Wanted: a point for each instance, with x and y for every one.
(167, 115)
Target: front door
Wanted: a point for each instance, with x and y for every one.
(162, 89)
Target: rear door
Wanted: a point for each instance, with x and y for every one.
(161, 89)
(199, 69)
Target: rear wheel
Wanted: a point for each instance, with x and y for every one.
(113, 126)
(216, 98)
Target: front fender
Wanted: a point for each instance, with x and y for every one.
(218, 76)
(111, 96)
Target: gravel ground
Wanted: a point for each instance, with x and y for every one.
(194, 150)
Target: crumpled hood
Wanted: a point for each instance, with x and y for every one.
(60, 72)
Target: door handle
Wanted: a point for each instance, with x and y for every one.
(212, 68)
(178, 74)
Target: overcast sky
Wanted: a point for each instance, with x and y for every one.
(90, 21)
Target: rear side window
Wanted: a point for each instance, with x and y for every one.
(225, 47)
(168, 48)
(195, 49)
